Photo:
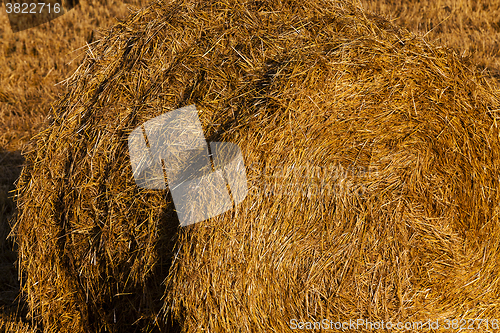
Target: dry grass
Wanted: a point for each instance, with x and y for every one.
(32, 62)
(472, 27)
(12, 324)
(409, 233)
(35, 60)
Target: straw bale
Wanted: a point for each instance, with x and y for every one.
(371, 158)
(12, 324)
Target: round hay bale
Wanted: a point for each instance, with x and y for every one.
(371, 161)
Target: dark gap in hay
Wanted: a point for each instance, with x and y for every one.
(10, 168)
(11, 303)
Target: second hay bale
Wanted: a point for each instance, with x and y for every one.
(372, 161)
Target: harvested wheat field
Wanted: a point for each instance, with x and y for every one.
(372, 165)
(472, 27)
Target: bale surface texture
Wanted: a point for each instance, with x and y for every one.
(12, 324)
(372, 165)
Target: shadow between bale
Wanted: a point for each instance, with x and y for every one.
(130, 310)
(12, 305)
(111, 255)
